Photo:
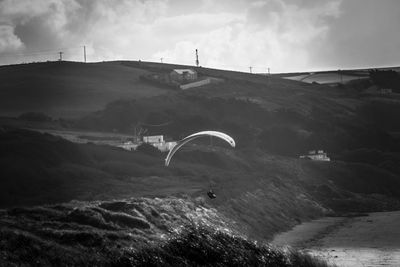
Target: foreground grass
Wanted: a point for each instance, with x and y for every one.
(199, 246)
(196, 247)
(133, 233)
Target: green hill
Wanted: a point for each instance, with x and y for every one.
(73, 89)
(68, 89)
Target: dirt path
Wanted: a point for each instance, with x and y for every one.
(372, 240)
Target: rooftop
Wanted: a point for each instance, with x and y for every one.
(181, 71)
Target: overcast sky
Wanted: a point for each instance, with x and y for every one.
(285, 35)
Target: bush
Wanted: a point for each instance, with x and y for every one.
(148, 149)
(386, 79)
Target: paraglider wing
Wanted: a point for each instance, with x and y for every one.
(189, 138)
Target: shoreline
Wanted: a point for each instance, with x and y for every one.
(354, 241)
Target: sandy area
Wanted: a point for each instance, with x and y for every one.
(372, 240)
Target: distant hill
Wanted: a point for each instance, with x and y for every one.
(73, 89)
(68, 89)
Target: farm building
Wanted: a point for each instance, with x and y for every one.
(183, 75)
(153, 139)
(158, 142)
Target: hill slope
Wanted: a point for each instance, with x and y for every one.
(68, 89)
(264, 194)
(262, 186)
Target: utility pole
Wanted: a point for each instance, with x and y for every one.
(84, 53)
(60, 59)
(251, 69)
(269, 72)
(197, 58)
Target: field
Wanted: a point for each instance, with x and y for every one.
(68, 89)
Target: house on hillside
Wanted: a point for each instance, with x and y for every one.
(158, 142)
(153, 139)
(183, 75)
(319, 155)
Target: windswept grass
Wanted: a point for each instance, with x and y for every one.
(201, 246)
(134, 232)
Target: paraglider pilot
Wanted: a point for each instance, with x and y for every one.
(211, 194)
(191, 137)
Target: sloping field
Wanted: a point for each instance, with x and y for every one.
(327, 78)
(68, 89)
(73, 89)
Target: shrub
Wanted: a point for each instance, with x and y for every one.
(148, 149)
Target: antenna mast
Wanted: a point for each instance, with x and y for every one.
(197, 58)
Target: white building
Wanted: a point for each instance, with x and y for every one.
(153, 139)
(319, 155)
(183, 75)
(165, 146)
(158, 142)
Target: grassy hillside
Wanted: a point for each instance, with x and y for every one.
(132, 232)
(252, 186)
(68, 89)
(287, 121)
(72, 89)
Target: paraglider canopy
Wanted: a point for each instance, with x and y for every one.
(191, 137)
